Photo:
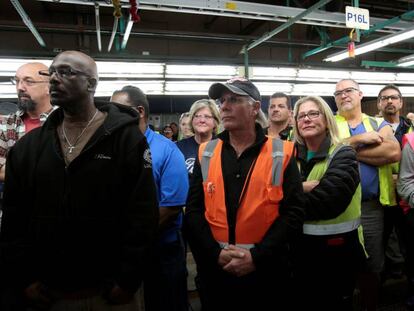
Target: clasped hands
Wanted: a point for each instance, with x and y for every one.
(236, 260)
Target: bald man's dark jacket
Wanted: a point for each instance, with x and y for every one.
(86, 225)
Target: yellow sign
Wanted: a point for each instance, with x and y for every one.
(231, 6)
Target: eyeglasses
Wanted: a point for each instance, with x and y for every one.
(62, 72)
(26, 81)
(232, 99)
(203, 116)
(312, 114)
(392, 97)
(346, 91)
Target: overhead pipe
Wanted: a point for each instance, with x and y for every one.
(127, 32)
(27, 21)
(98, 26)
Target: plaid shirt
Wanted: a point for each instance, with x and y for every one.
(12, 128)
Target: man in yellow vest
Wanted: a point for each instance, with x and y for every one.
(245, 201)
(376, 148)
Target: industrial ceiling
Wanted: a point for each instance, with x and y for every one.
(202, 30)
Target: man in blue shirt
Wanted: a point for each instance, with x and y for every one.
(165, 286)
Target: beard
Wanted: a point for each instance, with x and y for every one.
(26, 105)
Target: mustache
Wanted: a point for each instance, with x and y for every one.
(21, 94)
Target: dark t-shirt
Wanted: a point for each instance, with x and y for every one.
(189, 148)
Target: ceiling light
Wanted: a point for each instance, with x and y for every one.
(130, 69)
(406, 61)
(201, 71)
(107, 88)
(273, 73)
(373, 45)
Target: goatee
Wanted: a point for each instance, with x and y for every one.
(26, 105)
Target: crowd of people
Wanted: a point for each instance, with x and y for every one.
(292, 211)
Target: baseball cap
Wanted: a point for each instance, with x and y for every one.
(237, 85)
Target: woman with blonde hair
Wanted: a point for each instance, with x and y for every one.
(184, 124)
(204, 123)
(329, 254)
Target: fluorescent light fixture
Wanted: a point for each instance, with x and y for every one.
(188, 88)
(9, 66)
(406, 61)
(106, 88)
(319, 89)
(7, 90)
(404, 78)
(194, 79)
(373, 77)
(273, 73)
(130, 69)
(201, 71)
(268, 88)
(322, 75)
(373, 45)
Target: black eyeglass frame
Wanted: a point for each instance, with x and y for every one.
(16, 81)
(63, 72)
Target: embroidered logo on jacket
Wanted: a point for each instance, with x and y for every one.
(101, 156)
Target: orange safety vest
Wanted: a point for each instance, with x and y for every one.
(259, 206)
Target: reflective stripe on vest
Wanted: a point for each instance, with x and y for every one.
(277, 155)
(345, 222)
(207, 154)
(258, 207)
(245, 246)
(277, 165)
(386, 185)
(331, 229)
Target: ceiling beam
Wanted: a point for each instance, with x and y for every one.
(286, 25)
(239, 9)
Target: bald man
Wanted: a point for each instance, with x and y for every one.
(80, 208)
(33, 108)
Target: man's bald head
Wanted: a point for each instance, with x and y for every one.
(33, 69)
(78, 61)
(32, 89)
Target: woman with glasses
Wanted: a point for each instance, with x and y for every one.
(204, 123)
(329, 253)
(167, 132)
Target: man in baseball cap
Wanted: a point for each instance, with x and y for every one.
(244, 88)
(237, 219)
(237, 85)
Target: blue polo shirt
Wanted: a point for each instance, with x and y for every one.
(368, 173)
(171, 178)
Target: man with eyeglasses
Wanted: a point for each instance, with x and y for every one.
(245, 202)
(80, 208)
(390, 103)
(166, 276)
(33, 108)
(377, 149)
(279, 115)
